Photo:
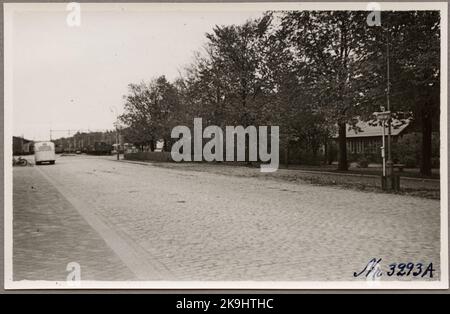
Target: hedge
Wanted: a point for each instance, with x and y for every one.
(149, 156)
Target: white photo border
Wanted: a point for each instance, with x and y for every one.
(8, 12)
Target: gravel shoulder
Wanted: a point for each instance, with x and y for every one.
(426, 188)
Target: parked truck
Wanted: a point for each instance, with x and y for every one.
(44, 152)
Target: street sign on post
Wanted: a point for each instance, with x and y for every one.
(383, 116)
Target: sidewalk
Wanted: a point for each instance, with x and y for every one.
(49, 233)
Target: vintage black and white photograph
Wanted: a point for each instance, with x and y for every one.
(226, 145)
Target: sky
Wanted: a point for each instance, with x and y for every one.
(74, 78)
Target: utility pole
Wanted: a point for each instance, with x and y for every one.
(383, 117)
(383, 147)
(390, 164)
(68, 141)
(117, 142)
(114, 110)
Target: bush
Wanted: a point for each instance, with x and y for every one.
(302, 156)
(409, 161)
(332, 153)
(363, 162)
(149, 156)
(407, 149)
(435, 162)
(307, 158)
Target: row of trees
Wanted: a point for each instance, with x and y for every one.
(309, 72)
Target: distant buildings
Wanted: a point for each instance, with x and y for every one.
(364, 142)
(366, 138)
(22, 146)
(84, 140)
(80, 141)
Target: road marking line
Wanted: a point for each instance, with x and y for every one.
(138, 260)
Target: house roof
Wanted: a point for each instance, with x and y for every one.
(371, 129)
(22, 139)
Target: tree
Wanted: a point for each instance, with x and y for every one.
(150, 111)
(330, 43)
(293, 87)
(235, 68)
(414, 48)
(227, 84)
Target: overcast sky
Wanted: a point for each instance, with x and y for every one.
(69, 77)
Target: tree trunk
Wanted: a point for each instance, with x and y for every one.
(342, 162)
(425, 165)
(286, 154)
(152, 145)
(167, 145)
(315, 149)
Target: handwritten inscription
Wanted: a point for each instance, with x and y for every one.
(373, 270)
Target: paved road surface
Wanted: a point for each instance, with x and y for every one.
(123, 221)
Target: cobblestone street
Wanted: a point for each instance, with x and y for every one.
(125, 221)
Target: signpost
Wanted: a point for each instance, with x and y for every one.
(383, 116)
(113, 109)
(117, 140)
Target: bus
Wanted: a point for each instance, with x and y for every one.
(44, 152)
